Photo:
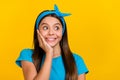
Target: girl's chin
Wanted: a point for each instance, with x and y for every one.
(52, 45)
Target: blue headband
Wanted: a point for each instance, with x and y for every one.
(55, 11)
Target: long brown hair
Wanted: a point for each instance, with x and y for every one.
(68, 59)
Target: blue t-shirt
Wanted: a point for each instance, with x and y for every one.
(57, 69)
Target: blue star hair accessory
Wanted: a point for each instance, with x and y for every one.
(56, 12)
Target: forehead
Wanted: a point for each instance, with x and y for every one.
(50, 19)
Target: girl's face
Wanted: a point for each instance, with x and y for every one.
(51, 30)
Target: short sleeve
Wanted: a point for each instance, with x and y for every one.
(26, 55)
(81, 67)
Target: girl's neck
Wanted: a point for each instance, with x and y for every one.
(56, 51)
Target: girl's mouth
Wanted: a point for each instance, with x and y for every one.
(50, 39)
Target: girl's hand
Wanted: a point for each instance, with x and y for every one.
(43, 44)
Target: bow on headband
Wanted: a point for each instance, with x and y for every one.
(55, 11)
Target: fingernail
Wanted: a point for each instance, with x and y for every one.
(37, 31)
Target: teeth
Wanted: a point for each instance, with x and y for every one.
(50, 39)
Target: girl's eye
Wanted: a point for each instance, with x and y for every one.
(45, 28)
(57, 28)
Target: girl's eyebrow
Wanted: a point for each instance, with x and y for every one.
(43, 24)
(57, 24)
(47, 24)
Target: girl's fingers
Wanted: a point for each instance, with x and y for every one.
(40, 35)
(43, 44)
(42, 40)
(39, 38)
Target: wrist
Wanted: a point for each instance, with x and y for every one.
(49, 54)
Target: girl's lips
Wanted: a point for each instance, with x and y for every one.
(50, 39)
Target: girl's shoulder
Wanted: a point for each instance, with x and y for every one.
(76, 56)
(25, 55)
(81, 66)
(26, 50)
(78, 59)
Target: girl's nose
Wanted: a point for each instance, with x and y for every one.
(51, 32)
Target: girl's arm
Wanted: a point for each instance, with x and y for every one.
(82, 77)
(29, 69)
(30, 73)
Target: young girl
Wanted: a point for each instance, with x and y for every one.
(51, 58)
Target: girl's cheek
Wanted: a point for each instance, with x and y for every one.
(44, 34)
(59, 33)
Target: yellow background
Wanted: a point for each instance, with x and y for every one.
(93, 28)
